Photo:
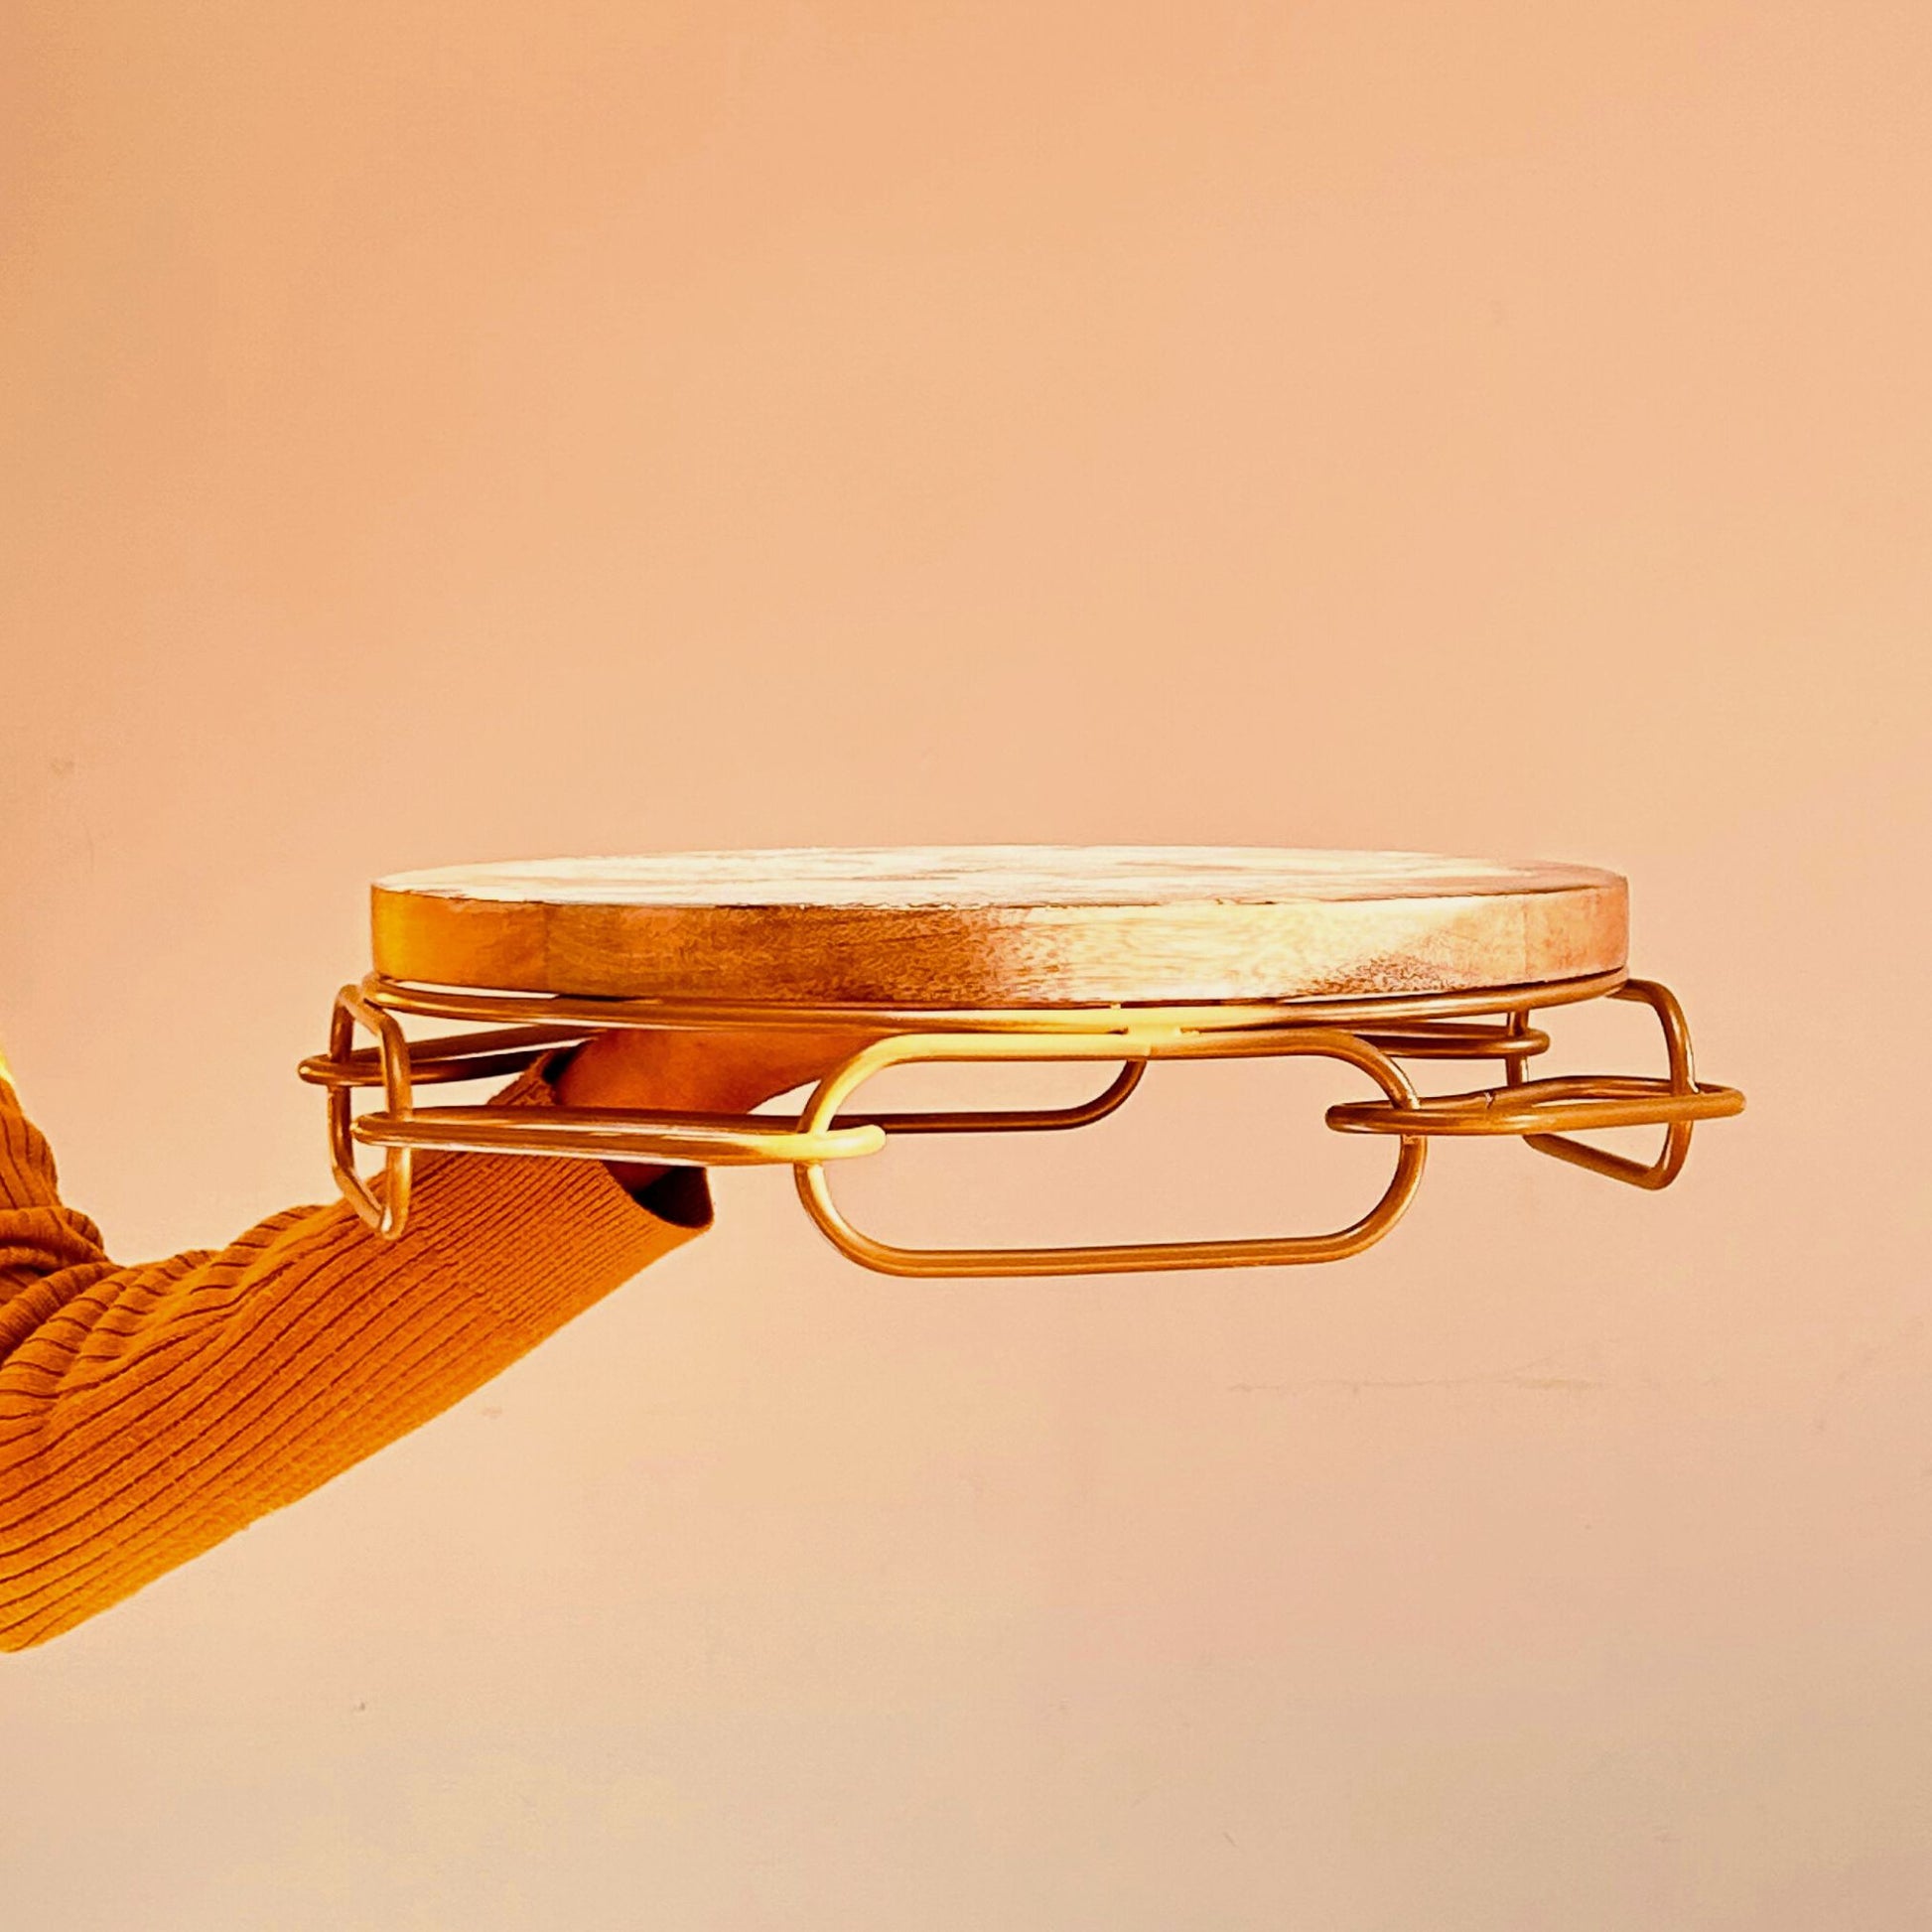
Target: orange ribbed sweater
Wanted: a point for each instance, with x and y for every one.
(148, 1412)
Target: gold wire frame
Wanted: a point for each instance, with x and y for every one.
(1143, 1043)
(1374, 1034)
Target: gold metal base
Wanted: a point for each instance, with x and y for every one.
(1373, 1034)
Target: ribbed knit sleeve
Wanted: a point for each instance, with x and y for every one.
(147, 1412)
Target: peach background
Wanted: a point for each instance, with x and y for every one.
(460, 433)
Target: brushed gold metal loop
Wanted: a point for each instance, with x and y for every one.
(512, 1050)
(455, 1056)
(1149, 1042)
(1448, 1039)
(1531, 1109)
(401, 1127)
(388, 1212)
(1683, 1084)
(617, 1134)
(998, 1120)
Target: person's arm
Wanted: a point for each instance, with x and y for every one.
(148, 1412)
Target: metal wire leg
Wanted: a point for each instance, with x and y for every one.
(1152, 1043)
(384, 1213)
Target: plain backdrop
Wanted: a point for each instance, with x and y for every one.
(444, 433)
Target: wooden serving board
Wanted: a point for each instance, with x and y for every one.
(1013, 925)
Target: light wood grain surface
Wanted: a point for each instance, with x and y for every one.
(1001, 925)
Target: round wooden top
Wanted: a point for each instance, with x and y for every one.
(1005, 925)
